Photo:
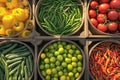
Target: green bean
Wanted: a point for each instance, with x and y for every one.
(60, 15)
(14, 60)
(22, 68)
(14, 64)
(26, 74)
(10, 48)
(30, 63)
(6, 68)
(28, 66)
(14, 70)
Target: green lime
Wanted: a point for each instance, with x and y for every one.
(70, 67)
(51, 47)
(65, 73)
(61, 50)
(77, 51)
(71, 51)
(56, 53)
(47, 66)
(64, 64)
(74, 59)
(65, 51)
(67, 60)
(50, 55)
(54, 71)
(52, 51)
(73, 46)
(65, 70)
(46, 60)
(67, 78)
(46, 50)
(56, 75)
(64, 55)
(55, 78)
(60, 46)
(55, 45)
(43, 73)
(60, 57)
(42, 55)
(68, 46)
(73, 78)
(52, 65)
(58, 68)
(52, 59)
(77, 75)
(79, 64)
(47, 77)
(79, 69)
(57, 63)
(42, 66)
(64, 43)
(75, 70)
(48, 71)
(69, 55)
(74, 64)
(79, 57)
(60, 73)
(70, 74)
(63, 77)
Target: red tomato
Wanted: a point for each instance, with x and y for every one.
(102, 27)
(104, 1)
(119, 27)
(104, 7)
(94, 22)
(112, 15)
(119, 15)
(94, 4)
(92, 13)
(112, 27)
(101, 18)
(115, 4)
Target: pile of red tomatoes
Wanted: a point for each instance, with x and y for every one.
(105, 15)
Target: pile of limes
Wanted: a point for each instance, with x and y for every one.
(61, 60)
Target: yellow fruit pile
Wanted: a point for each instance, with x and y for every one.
(13, 16)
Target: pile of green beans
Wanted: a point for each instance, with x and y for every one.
(16, 62)
(60, 17)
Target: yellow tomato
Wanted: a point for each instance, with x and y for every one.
(26, 11)
(8, 21)
(30, 24)
(20, 5)
(2, 4)
(25, 2)
(12, 4)
(20, 14)
(3, 1)
(2, 30)
(9, 32)
(18, 26)
(2, 12)
(25, 33)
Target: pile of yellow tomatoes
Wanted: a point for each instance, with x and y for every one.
(14, 15)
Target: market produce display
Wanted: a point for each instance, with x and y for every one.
(60, 17)
(61, 60)
(104, 15)
(16, 61)
(104, 61)
(13, 16)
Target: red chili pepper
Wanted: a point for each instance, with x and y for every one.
(104, 69)
(116, 76)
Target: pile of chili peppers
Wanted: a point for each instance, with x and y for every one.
(104, 61)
